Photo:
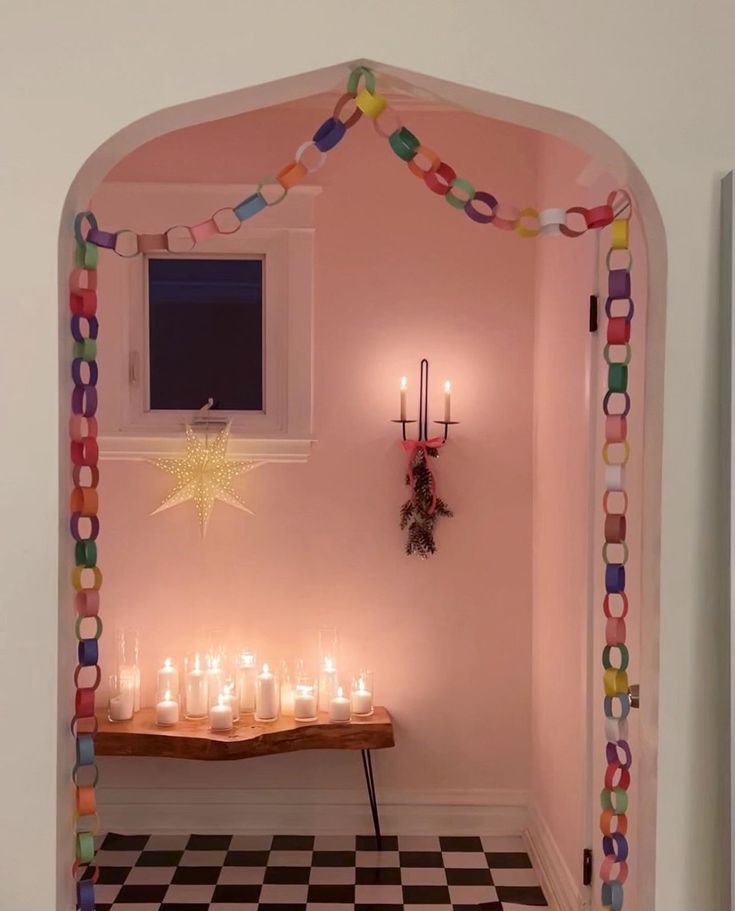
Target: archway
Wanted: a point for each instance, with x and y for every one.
(482, 103)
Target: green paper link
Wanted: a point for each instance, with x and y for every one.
(620, 805)
(86, 255)
(85, 553)
(86, 349)
(85, 847)
(617, 377)
(456, 201)
(404, 143)
(624, 657)
(354, 81)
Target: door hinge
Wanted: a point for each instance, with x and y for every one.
(593, 320)
(587, 867)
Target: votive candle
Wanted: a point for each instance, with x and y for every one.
(339, 707)
(167, 710)
(220, 716)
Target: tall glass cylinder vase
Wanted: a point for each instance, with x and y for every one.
(246, 672)
(127, 662)
(196, 690)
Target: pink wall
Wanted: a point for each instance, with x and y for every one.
(399, 275)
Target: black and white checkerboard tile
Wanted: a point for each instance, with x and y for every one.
(308, 873)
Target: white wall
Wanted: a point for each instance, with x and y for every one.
(656, 77)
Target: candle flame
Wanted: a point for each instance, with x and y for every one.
(404, 383)
(196, 661)
(167, 664)
(447, 386)
(265, 669)
(361, 684)
(167, 696)
(220, 699)
(247, 659)
(340, 692)
(328, 664)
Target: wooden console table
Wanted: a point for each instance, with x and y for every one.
(193, 740)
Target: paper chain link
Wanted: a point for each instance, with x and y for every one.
(615, 655)
(84, 527)
(360, 99)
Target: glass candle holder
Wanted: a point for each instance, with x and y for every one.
(127, 662)
(167, 709)
(327, 682)
(246, 672)
(121, 705)
(196, 690)
(362, 694)
(287, 690)
(267, 695)
(306, 699)
(216, 674)
(167, 680)
(231, 697)
(328, 647)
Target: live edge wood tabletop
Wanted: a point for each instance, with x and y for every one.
(190, 739)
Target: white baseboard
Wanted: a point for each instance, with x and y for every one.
(561, 888)
(317, 811)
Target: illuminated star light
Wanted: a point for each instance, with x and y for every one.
(204, 474)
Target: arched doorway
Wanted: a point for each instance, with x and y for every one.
(484, 104)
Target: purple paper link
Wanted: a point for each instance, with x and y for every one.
(84, 400)
(76, 372)
(102, 238)
(615, 845)
(329, 134)
(94, 528)
(611, 751)
(76, 327)
(618, 283)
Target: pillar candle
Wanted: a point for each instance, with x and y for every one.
(220, 716)
(122, 704)
(447, 401)
(246, 674)
(196, 692)
(130, 678)
(266, 696)
(339, 707)
(404, 390)
(215, 677)
(167, 710)
(304, 703)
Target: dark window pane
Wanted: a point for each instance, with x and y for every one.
(206, 333)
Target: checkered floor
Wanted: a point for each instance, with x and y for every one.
(307, 873)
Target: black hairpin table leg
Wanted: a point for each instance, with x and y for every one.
(367, 765)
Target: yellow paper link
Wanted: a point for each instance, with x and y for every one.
(372, 104)
(620, 234)
(615, 682)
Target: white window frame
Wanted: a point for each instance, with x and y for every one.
(283, 430)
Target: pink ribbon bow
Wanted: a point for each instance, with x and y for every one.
(411, 447)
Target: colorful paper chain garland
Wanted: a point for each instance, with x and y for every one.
(480, 206)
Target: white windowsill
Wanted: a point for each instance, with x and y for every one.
(125, 448)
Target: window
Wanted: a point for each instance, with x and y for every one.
(231, 321)
(205, 334)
